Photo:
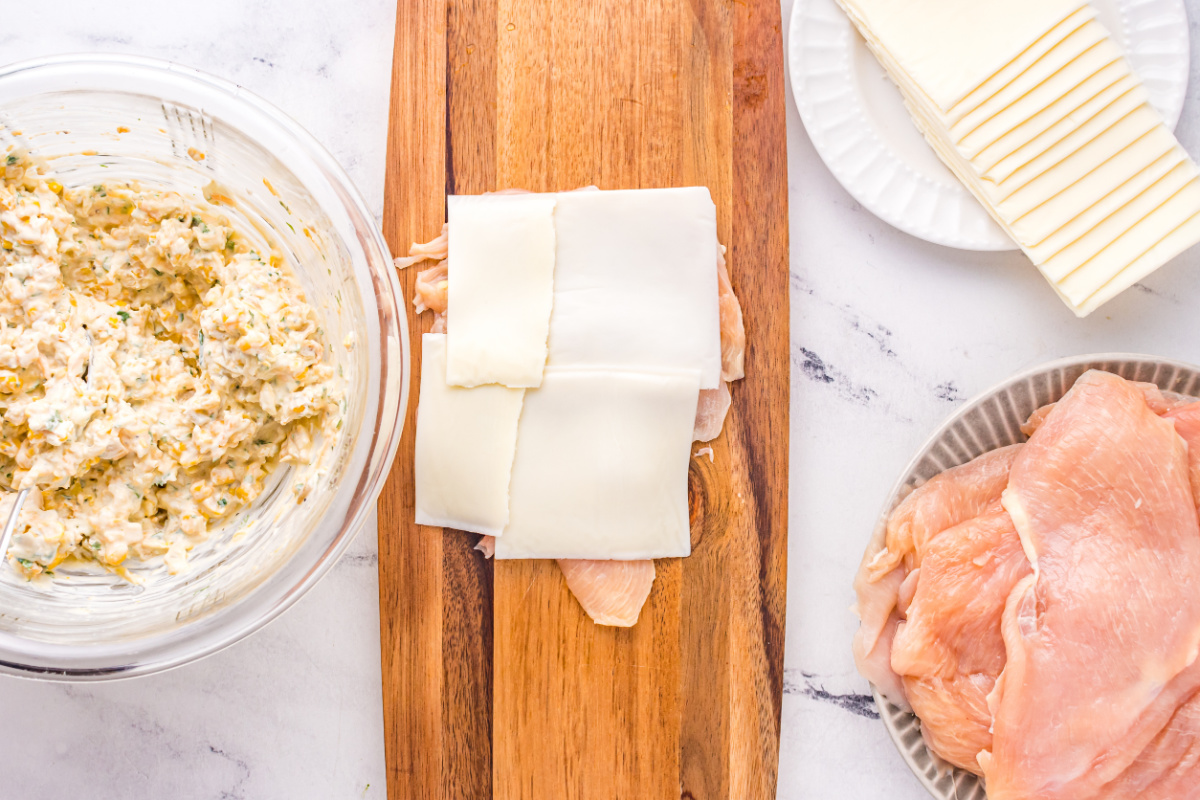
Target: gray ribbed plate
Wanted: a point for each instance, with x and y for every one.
(993, 420)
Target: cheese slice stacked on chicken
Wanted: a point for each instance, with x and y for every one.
(1033, 106)
(583, 347)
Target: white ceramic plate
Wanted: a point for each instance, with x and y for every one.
(857, 121)
(990, 421)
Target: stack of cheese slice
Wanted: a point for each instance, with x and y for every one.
(1032, 105)
(556, 412)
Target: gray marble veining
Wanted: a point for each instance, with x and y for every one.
(889, 335)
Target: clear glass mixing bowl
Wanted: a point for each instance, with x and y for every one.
(94, 119)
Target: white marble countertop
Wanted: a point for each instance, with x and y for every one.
(889, 335)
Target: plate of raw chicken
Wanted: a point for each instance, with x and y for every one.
(1029, 601)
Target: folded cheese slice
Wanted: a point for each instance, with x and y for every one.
(601, 466)
(500, 289)
(464, 448)
(635, 283)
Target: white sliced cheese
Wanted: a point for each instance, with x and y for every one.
(1035, 216)
(464, 448)
(1020, 169)
(501, 288)
(1185, 236)
(601, 468)
(1020, 65)
(988, 124)
(1038, 182)
(1132, 245)
(1053, 122)
(635, 283)
(1107, 205)
(1082, 123)
(1087, 247)
(950, 47)
(1074, 53)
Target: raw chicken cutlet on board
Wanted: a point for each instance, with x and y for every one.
(611, 592)
(1038, 608)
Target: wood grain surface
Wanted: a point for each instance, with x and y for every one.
(496, 684)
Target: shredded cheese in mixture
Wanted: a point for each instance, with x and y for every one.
(154, 369)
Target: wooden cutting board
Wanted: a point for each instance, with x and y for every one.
(496, 684)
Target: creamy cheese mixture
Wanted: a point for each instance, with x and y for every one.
(154, 369)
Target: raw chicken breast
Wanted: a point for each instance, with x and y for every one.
(432, 289)
(714, 403)
(878, 608)
(944, 501)
(1160, 402)
(435, 250)
(1170, 766)
(1102, 639)
(611, 592)
(1030, 426)
(1187, 425)
(431, 283)
(950, 651)
(733, 330)
(710, 413)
